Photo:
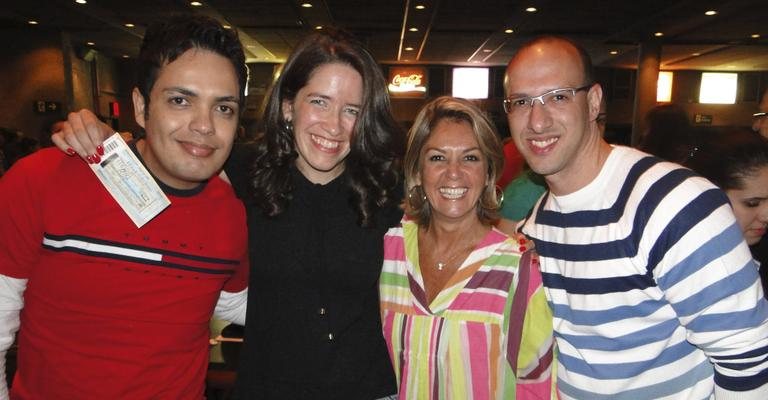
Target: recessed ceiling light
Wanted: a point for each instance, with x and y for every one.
(32, 22)
(413, 29)
(696, 54)
(319, 27)
(306, 5)
(755, 35)
(487, 50)
(420, 6)
(126, 56)
(409, 49)
(227, 26)
(90, 43)
(531, 9)
(614, 52)
(508, 30)
(658, 34)
(195, 3)
(710, 12)
(81, 1)
(129, 25)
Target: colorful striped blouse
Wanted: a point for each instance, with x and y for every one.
(462, 345)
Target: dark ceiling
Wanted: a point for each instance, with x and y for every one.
(447, 32)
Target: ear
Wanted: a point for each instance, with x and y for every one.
(139, 107)
(594, 97)
(287, 107)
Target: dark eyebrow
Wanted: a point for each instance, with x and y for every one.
(190, 93)
(322, 96)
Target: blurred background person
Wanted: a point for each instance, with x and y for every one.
(667, 133)
(736, 160)
(760, 119)
(453, 313)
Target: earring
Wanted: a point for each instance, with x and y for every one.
(289, 126)
(499, 196)
(416, 188)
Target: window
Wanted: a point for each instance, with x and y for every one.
(664, 87)
(470, 83)
(718, 88)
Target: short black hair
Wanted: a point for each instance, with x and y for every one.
(167, 40)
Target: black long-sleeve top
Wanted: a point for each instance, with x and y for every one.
(313, 326)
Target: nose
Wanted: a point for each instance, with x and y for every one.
(332, 122)
(454, 169)
(539, 119)
(763, 215)
(202, 121)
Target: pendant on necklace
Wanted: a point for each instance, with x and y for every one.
(440, 266)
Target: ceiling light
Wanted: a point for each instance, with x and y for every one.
(755, 35)
(487, 50)
(80, 1)
(409, 49)
(227, 26)
(306, 5)
(614, 52)
(319, 27)
(696, 54)
(32, 22)
(658, 34)
(129, 25)
(126, 56)
(710, 12)
(195, 3)
(508, 30)
(90, 43)
(420, 6)
(531, 9)
(413, 29)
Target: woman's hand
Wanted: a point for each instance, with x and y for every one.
(82, 133)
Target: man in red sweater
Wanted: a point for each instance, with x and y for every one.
(108, 310)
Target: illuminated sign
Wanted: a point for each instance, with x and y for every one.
(407, 82)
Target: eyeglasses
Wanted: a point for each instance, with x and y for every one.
(759, 115)
(555, 98)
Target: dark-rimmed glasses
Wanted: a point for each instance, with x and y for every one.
(558, 98)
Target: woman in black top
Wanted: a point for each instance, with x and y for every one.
(323, 189)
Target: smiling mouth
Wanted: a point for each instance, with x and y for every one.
(453, 193)
(325, 143)
(197, 150)
(543, 143)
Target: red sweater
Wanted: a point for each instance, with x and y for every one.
(112, 311)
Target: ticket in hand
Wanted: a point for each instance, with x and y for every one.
(129, 183)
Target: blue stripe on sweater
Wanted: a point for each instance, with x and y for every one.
(625, 369)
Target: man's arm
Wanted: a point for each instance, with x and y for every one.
(708, 276)
(11, 303)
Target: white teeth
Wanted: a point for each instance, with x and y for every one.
(328, 144)
(453, 193)
(543, 143)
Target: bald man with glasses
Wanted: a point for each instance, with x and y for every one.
(653, 290)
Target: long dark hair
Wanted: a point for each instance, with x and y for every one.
(376, 145)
